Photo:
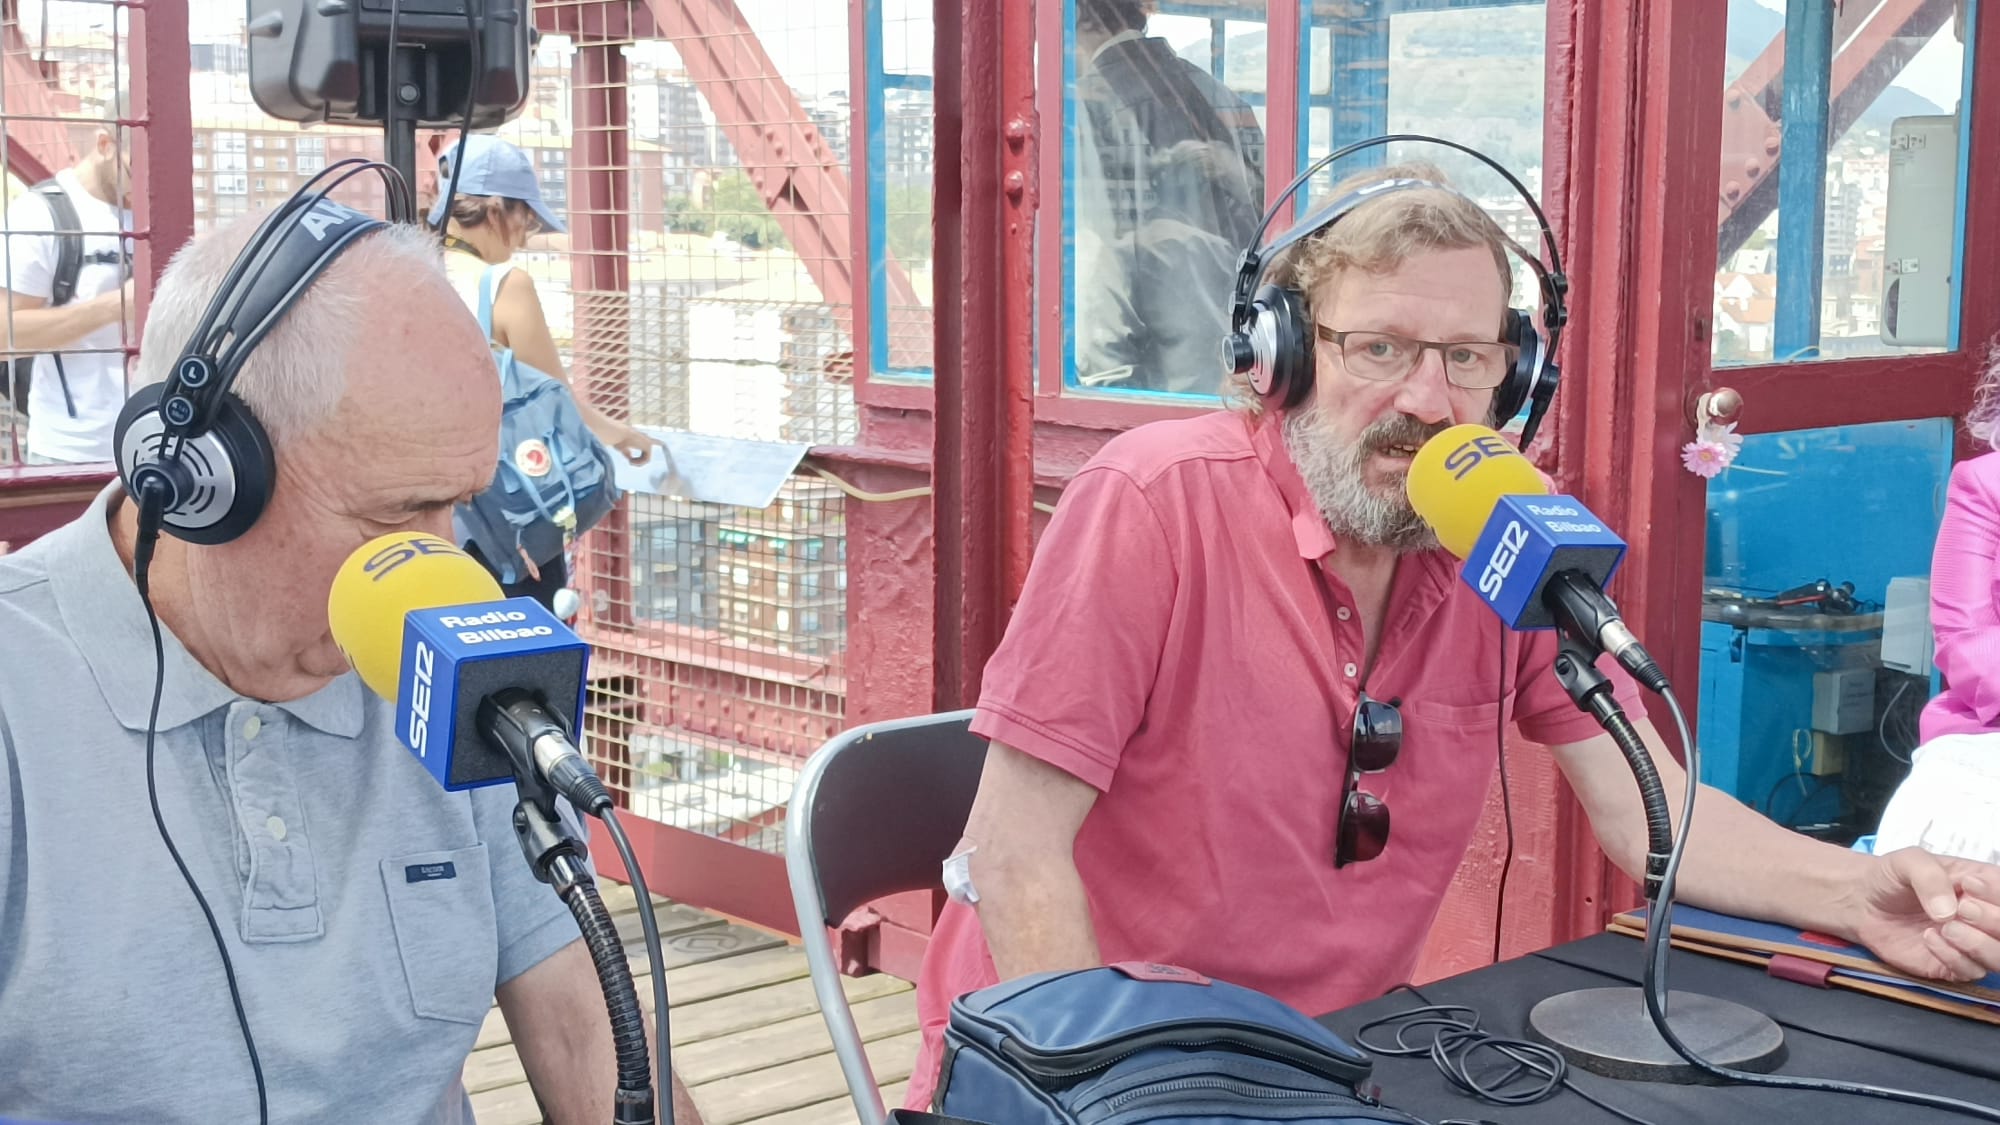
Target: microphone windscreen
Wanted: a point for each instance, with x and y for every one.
(382, 582)
(1458, 477)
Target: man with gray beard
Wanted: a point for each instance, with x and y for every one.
(1238, 647)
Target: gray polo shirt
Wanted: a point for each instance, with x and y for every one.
(369, 913)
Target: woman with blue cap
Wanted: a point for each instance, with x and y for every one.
(496, 206)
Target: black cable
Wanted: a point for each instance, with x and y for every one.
(1532, 1072)
(651, 926)
(465, 130)
(614, 976)
(151, 503)
(1660, 923)
(1506, 796)
(389, 77)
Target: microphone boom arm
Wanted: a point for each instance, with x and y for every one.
(1585, 614)
(1591, 690)
(556, 858)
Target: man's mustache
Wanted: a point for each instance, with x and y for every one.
(1399, 430)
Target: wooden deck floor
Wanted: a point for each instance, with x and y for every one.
(747, 1037)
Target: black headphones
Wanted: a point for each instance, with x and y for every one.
(187, 444)
(1271, 335)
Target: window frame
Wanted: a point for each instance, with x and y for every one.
(1054, 401)
(1849, 391)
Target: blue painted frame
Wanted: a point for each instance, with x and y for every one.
(1802, 180)
(1966, 106)
(878, 83)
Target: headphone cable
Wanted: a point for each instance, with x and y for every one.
(1525, 1072)
(1653, 986)
(1506, 798)
(152, 501)
(450, 183)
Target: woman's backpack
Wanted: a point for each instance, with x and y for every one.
(554, 481)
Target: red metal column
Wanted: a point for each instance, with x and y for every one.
(162, 143)
(1283, 115)
(600, 270)
(1642, 263)
(984, 228)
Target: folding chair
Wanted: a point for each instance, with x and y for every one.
(875, 812)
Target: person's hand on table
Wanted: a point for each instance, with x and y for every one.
(1930, 916)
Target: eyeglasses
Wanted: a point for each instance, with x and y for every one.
(1384, 357)
(1364, 820)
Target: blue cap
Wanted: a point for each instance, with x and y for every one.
(494, 167)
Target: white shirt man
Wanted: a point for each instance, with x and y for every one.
(74, 404)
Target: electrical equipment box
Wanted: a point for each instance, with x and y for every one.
(1843, 700)
(1920, 244)
(1906, 626)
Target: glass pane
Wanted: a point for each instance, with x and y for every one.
(1467, 74)
(1846, 247)
(1815, 648)
(1472, 75)
(902, 151)
(1164, 160)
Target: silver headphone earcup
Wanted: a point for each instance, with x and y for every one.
(223, 477)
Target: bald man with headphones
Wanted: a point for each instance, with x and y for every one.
(285, 918)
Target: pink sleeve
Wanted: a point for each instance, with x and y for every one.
(1069, 682)
(1963, 616)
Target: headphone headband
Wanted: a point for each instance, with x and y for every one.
(1255, 255)
(1268, 339)
(245, 307)
(243, 313)
(192, 453)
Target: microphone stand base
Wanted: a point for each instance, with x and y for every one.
(1607, 1031)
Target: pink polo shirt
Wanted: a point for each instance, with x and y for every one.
(1173, 648)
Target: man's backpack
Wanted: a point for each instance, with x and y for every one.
(555, 480)
(68, 229)
(1142, 1044)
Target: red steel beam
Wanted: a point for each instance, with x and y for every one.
(37, 499)
(163, 143)
(984, 232)
(787, 159)
(1643, 259)
(603, 20)
(1890, 36)
(600, 279)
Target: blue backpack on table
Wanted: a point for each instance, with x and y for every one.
(1136, 1044)
(555, 480)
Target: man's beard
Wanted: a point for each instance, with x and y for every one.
(1336, 476)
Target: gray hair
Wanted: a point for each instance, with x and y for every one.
(294, 380)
